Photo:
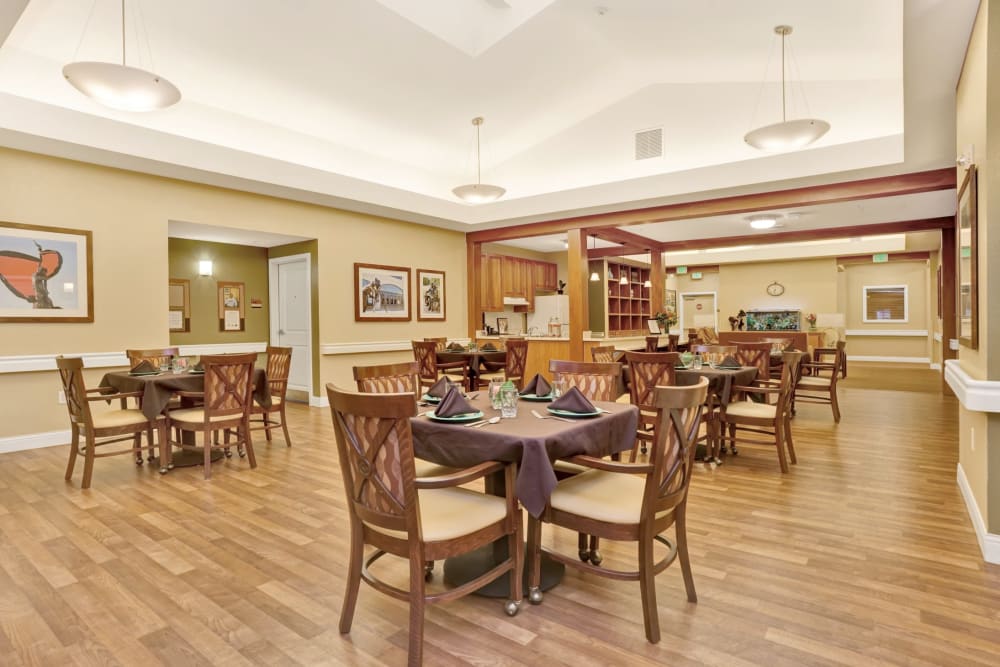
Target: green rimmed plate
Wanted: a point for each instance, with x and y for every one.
(457, 419)
(544, 398)
(572, 415)
(141, 373)
(427, 398)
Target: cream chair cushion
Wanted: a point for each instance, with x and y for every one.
(568, 467)
(118, 418)
(449, 513)
(428, 469)
(197, 416)
(612, 497)
(624, 398)
(814, 381)
(748, 409)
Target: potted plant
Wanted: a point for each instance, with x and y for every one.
(811, 319)
(666, 319)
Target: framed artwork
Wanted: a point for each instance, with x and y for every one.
(653, 326)
(179, 303)
(430, 292)
(232, 306)
(501, 325)
(381, 293)
(670, 299)
(46, 274)
(966, 230)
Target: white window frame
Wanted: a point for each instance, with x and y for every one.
(864, 304)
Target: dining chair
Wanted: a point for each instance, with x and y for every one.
(772, 420)
(633, 502)
(708, 335)
(279, 362)
(597, 381)
(651, 343)
(817, 387)
(425, 354)
(156, 357)
(647, 371)
(227, 400)
(395, 513)
(102, 427)
(603, 354)
(440, 342)
(673, 340)
(513, 366)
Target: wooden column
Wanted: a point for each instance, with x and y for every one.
(657, 278)
(474, 282)
(576, 283)
(949, 313)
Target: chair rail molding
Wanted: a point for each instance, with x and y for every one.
(375, 346)
(974, 395)
(913, 333)
(47, 362)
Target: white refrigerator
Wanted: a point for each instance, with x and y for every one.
(546, 308)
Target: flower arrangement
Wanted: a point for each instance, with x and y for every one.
(811, 319)
(667, 318)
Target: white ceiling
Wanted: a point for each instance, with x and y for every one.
(366, 105)
(178, 229)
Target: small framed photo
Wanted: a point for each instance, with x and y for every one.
(232, 309)
(654, 326)
(501, 325)
(381, 293)
(430, 292)
(46, 274)
(179, 302)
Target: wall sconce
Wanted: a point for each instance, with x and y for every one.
(205, 267)
(967, 157)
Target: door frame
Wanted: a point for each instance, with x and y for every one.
(680, 307)
(274, 296)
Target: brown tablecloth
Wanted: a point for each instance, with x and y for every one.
(533, 443)
(157, 389)
(720, 381)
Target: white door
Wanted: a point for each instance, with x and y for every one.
(698, 310)
(291, 315)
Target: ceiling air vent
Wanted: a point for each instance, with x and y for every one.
(649, 143)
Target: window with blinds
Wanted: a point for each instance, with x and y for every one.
(885, 303)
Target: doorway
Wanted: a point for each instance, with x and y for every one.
(290, 284)
(698, 309)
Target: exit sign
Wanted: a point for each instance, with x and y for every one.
(682, 269)
(880, 258)
(696, 275)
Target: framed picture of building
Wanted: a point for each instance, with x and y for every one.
(430, 292)
(382, 293)
(46, 274)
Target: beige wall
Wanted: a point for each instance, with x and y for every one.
(810, 286)
(128, 214)
(975, 436)
(230, 263)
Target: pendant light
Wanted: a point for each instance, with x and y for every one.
(120, 86)
(623, 269)
(788, 134)
(594, 278)
(649, 283)
(478, 193)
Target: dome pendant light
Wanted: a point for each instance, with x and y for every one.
(479, 193)
(594, 278)
(623, 270)
(788, 134)
(120, 86)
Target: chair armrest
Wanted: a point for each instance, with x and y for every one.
(114, 395)
(461, 476)
(611, 466)
(190, 394)
(757, 390)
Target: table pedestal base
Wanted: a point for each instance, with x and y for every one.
(189, 458)
(461, 569)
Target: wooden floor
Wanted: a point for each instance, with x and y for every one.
(862, 555)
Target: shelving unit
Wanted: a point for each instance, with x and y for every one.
(625, 307)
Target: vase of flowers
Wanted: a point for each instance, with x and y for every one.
(811, 319)
(666, 319)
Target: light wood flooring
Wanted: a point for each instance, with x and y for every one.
(862, 555)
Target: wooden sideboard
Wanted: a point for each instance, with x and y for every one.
(806, 341)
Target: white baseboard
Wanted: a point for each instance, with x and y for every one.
(319, 402)
(17, 443)
(989, 543)
(890, 360)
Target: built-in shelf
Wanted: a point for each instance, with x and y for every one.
(625, 307)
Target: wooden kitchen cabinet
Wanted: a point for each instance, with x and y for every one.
(492, 281)
(505, 276)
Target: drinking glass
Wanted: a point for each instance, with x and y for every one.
(508, 402)
(696, 362)
(494, 392)
(165, 366)
(558, 388)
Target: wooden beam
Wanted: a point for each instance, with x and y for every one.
(598, 253)
(812, 195)
(628, 239)
(474, 281)
(657, 279)
(893, 257)
(924, 225)
(576, 279)
(949, 311)
(671, 270)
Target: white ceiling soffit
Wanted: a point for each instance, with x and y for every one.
(178, 229)
(787, 251)
(351, 104)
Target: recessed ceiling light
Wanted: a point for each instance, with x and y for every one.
(763, 221)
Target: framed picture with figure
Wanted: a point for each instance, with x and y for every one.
(382, 293)
(430, 292)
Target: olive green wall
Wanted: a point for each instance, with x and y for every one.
(235, 263)
(312, 249)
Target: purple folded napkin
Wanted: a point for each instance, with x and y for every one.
(439, 388)
(538, 386)
(489, 347)
(144, 367)
(573, 401)
(455, 347)
(730, 362)
(198, 368)
(453, 404)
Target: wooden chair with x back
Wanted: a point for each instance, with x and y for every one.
(105, 427)
(820, 387)
(513, 366)
(632, 502)
(425, 354)
(416, 520)
(157, 357)
(279, 363)
(598, 382)
(603, 354)
(649, 370)
(227, 398)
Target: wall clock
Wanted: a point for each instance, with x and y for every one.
(775, 289)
